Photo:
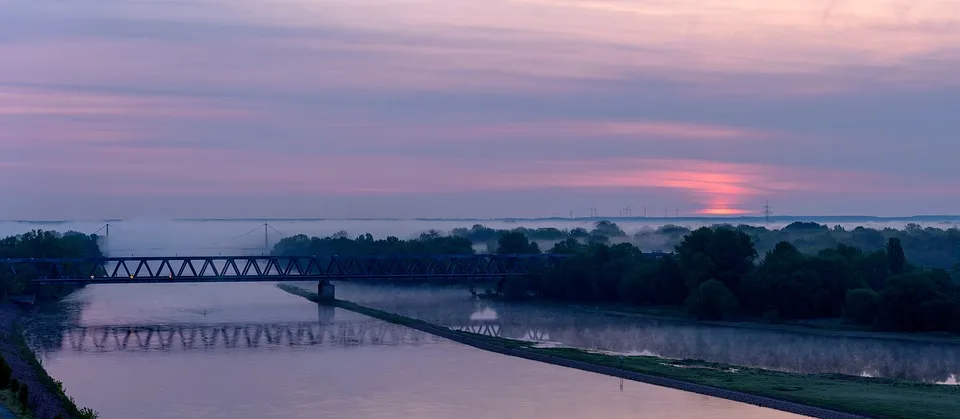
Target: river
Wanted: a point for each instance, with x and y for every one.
(792, 351)
(253, 351)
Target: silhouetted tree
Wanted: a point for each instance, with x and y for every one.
(898, 260)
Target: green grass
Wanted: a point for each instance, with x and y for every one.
(9, 400)
(874, 397)
(69, 404)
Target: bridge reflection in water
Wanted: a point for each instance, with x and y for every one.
(327, 331)
(239, 335)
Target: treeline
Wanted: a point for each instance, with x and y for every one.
(602, 232)
(44, 244)
(930, 247)
(432, 242)
(716, 274)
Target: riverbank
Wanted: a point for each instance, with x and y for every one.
(818, 395)
(46, 395)
(817, 328)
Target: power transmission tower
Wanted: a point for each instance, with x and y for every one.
(767, 211)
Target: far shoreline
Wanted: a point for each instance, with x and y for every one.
(816, 395)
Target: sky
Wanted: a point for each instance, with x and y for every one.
(465, 108)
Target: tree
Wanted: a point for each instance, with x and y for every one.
(895, 254)
(23, 395)
(901, 306)
(607, 229)
(516, 243)
(722, 253)
(5, 372)
(713, 301)
(860, 306)
(567, 247)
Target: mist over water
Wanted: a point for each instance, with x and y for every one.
(163, 237)
(455, 307)
(792, 351)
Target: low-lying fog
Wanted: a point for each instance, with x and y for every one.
(164, 236)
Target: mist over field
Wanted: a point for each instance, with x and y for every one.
(158, 236)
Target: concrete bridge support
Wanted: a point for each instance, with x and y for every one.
(326, 290)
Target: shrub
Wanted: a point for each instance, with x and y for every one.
(860, 306)
(4, 374)
(713, 301)
(24, 396)
(14, 384)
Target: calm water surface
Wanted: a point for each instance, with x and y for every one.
(253, 351)
(769, 349)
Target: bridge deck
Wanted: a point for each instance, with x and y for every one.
(261, 269)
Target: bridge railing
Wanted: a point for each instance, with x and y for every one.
(261, 268)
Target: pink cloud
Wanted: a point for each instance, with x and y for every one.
(40, 102)
(721, 188)
(621, 128)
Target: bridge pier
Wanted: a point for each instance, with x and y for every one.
(326, 290)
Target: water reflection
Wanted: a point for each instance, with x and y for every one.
(770, 349)
(244, 335)
(126, 351)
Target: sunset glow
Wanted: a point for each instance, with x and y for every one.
(556, 105)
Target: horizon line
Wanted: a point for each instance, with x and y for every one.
(515, 219)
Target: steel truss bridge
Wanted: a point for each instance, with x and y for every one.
(126, 270)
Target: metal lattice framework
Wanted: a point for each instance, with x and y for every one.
(260, 268)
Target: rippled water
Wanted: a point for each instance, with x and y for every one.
(769, 349)
(253, 351)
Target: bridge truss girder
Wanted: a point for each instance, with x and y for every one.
(261, 268)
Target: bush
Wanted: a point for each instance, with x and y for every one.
(713, 301)
(860, 306)
(4, 374)
(24, 396)
(14, 384)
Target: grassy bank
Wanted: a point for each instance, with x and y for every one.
(834, 327)
(822, 327)
(45, 396)
(52, 386)
(870, 397)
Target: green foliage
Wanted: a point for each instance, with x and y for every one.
(23, 395)
(41, 244)
(919, 301)
(895, 254)
(861, 306)
(516, 243)
(5, 372)
(721, 253)
(607, 229)
(794, 279)
(430, 242)
(712, 300)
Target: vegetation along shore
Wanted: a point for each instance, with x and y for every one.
(25, 387)
(817, 395)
